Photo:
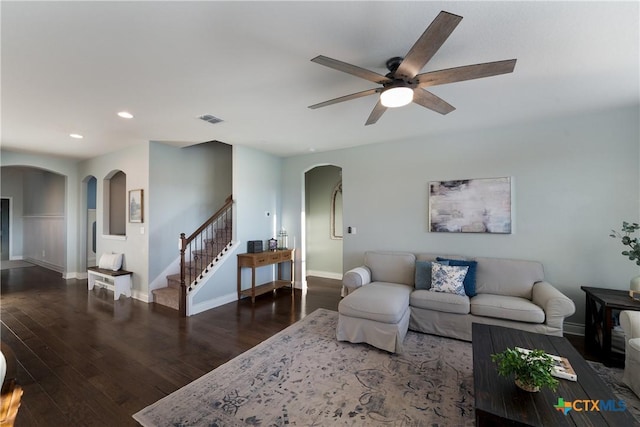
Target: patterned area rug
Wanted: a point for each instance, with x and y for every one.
(304, 376)
(613, 377)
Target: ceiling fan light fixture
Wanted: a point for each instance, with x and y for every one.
(398, 96)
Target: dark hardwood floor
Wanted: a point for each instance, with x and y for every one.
(84, 359)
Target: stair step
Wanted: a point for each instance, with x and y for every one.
(174, 280)
(169, 297)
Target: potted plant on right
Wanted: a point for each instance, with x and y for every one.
(532, 370)
(634, 250)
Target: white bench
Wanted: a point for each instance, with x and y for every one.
(119, 280)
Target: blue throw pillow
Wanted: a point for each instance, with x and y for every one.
(470, 278)
(423, 274)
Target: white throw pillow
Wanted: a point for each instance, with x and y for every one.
(110, 262)
(448, 278)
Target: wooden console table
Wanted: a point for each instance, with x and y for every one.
(261, 259)
(598, 322)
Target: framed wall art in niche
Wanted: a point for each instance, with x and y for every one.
(136, 206)
(470, 206)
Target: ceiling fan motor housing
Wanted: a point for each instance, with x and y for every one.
(393, 63)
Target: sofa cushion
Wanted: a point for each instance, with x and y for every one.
(449, 279)
(392, 267)
(379, 301)
(470, 278)
(507, 277)
(440, 301)
(423, 273)
(506, 307)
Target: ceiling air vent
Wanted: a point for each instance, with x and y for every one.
(211, 119)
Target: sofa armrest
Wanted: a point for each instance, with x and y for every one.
(630, 322)
(555, 304)
(356, 277)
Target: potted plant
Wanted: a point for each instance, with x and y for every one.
(532, 370)
(633, 243)
(634, 253)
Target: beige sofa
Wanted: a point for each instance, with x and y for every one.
(382, 301)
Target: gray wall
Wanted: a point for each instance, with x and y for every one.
(134, 162)
(575, 178)
(186, 186)
(43, 218)
(324, 254)
(256, 190)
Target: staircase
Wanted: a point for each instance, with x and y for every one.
(199, 253)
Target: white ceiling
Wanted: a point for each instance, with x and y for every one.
(70, 66)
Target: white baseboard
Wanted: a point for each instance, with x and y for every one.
(141, 296)
(325, 274)
(213, 303)
(75, 275)
(48, 266)
(573, 328)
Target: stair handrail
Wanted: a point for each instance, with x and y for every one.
(186, 241)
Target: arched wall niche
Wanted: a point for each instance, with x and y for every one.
(114, 204)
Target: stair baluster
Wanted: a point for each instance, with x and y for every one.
(202, 249)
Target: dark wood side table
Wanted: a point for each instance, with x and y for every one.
(255, 260)
(599, 307)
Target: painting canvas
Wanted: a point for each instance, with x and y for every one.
(470, 206)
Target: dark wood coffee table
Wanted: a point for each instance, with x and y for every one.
(499, 402)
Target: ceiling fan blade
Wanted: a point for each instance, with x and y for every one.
(377, 112)
(427, 45)
(468, 72)
(345, 98)
(351, 69)
(431, 101)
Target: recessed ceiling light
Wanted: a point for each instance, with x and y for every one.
(76, 135)
(125, 115)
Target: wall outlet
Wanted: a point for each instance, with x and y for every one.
(351, 230)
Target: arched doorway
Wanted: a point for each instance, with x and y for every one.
(323, 222)
(39, 207)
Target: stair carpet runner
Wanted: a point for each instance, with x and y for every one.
(170, 296)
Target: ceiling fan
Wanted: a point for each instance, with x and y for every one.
(403, 85)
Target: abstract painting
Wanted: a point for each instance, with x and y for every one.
(470, 206)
